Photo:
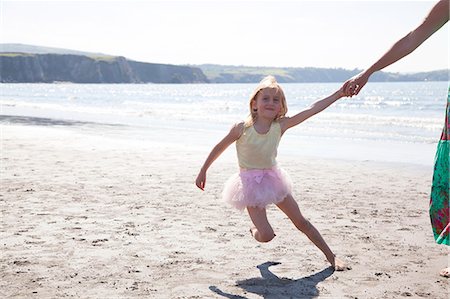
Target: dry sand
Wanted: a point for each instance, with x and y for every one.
(92, 217)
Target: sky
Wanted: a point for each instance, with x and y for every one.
(329, 34)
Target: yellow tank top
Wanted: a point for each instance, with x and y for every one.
(258, 151)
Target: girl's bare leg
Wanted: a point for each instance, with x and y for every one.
(290, 207)
(262, 231)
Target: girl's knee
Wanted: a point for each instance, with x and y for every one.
(264, 236)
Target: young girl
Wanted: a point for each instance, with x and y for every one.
(260, 181)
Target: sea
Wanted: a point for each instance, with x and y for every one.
(389, 122)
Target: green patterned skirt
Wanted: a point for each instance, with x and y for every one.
(439, 200)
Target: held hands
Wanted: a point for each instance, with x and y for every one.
(354, 85)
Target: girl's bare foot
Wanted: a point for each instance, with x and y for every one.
(445, 272)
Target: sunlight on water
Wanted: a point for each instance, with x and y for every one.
(400, 112)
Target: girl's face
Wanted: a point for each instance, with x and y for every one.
(267, 103)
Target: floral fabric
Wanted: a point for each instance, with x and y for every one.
(439, 200)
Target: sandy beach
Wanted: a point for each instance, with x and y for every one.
(89, 216)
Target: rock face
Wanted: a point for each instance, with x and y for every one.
(48, 68)
(92, 68)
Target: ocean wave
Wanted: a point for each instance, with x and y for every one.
(389, 111)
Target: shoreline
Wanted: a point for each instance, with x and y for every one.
(91, 216)
(302, 147)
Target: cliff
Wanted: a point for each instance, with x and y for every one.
(98, 68)
(48, 68)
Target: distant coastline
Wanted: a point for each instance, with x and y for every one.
(244, 74)
(21, 63)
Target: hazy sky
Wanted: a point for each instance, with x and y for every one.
(347, 34)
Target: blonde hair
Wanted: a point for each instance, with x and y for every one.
(266, 82)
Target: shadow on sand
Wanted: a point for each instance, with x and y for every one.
(271, 286)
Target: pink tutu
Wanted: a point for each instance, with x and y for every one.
(257, 188)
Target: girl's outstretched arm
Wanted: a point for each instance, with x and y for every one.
(315, 108)
(231, 137)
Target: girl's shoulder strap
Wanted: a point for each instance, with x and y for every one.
(276, 124)
(238, 129)
(277, 127)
